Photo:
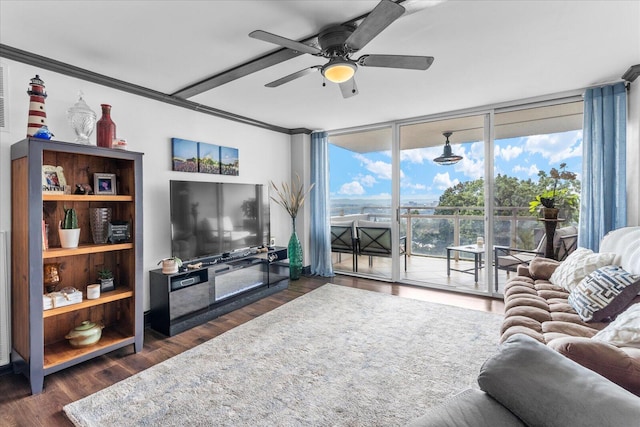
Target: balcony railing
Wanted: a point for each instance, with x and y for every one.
(430, 230)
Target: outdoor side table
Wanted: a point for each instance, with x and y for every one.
(477, 259)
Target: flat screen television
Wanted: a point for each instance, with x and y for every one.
(214, 218)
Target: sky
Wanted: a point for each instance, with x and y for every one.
(368, 176)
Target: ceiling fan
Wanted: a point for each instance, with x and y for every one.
(339, 42)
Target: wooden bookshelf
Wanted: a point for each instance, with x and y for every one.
(38, 335)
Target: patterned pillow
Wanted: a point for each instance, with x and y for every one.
(577, 266)
(624, 331)
(604, 293)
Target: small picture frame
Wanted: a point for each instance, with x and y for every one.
(104, 183)
(53, 181)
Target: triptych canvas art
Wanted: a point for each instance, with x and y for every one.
(192, 156)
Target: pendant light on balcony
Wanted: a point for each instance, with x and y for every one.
(447, 157)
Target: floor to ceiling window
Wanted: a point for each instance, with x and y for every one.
(532, 146)
(360, 193)
(452, 215)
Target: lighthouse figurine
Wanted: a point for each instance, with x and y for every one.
(37, 113)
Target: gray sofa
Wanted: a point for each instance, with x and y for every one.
(528, 384)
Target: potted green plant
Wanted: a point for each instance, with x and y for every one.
(106, 280)
(551, 199)
(170, 265)
(69, 231)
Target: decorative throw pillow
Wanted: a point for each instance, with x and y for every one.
(604, 293)
(624, 331)
(577, 266)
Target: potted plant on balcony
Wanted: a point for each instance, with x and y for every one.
(551, 199)
(69, 231)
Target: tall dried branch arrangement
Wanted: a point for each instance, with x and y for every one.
(291, 198)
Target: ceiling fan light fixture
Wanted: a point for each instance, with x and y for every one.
(339, 70)
(447, 157)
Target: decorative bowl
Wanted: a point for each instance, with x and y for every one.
(88, 333)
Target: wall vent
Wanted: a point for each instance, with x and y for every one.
(5, 330)
(4, 102)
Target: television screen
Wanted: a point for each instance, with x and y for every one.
(212, 218)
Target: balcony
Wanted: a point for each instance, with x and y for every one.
(430, 230)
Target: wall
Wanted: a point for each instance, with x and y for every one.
(148, 127)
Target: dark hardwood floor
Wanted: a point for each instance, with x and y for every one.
(19, 408)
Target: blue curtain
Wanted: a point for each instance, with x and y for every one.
(320, 233)
(603, 204)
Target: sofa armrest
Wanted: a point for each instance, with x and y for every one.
(470, 408)
(542, 387)
(607, 360)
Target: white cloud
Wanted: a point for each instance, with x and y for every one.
(509, 152)
(472, 164)
(381, 170)
(413, 186)
(442, 181)
(366, 180)
(555, 147)
(353, 188)
(420, 155)
(531, 170)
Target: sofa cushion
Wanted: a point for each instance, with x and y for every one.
(577, 266)
(624, 331)
(604, 293)
(543, 388)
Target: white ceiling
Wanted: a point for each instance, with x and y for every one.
(486, 52)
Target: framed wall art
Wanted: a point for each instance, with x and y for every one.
(104, 183)
(184, 155)
(229, 162)
(208, 158)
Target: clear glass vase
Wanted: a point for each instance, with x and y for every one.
(82, 119)
(295, 254)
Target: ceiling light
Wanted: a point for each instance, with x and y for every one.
(447, 158)
(339, 70)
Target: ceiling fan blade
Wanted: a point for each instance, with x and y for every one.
(380, 18)
(283, 41)
(349, 88)
(408, 62)
(296, 75)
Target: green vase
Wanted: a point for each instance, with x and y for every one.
(295, 255)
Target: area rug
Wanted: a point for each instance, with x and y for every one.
(336, 356)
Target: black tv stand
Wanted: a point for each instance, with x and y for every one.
(189, 298)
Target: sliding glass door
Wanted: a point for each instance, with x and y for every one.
(532, 145)
(442, 199)
(452, 190)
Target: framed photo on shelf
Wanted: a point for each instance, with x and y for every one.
(53, 181)
(104, 183)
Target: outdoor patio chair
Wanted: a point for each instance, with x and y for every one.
(374, 239)
(343, 242)
(508, 259)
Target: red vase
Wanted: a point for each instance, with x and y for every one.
(106, 128)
